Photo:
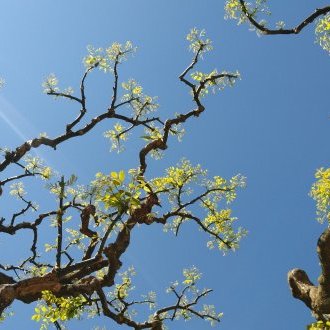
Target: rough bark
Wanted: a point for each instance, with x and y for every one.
(70, 275)
(315, 297)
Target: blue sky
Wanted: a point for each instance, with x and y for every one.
(272, 127)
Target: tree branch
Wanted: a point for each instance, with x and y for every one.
(317, 298)
(308, 20)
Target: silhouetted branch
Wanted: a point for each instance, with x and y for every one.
(308, 20)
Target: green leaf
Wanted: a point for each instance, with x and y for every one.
(36, 317)
(114, 175)
(116, 182)
(121, 176)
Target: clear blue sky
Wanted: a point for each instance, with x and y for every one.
(273, 127)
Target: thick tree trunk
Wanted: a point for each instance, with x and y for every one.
(317, 298)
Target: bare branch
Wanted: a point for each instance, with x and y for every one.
(308, 20)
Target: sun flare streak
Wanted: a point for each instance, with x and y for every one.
(5, 108)
(18, 123)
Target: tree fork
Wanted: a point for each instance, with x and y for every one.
(316, 298)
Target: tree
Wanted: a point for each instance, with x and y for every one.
(81, 270)
(316, 298)
(243, 11)
(115, 191)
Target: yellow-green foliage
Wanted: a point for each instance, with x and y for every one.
(320, 192)
(105, 58)
(322, 31)
(116, 136)
(5, 314)
(233, 10)
(52, 309)
(36, 165)
(198, 41)
(319, 325)
(50, 85)
(121, 290)
(214, 80)
(112, 191)
(181, 190)
(178, 186)
(191, 276)
(190, 292)
(140, 104)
